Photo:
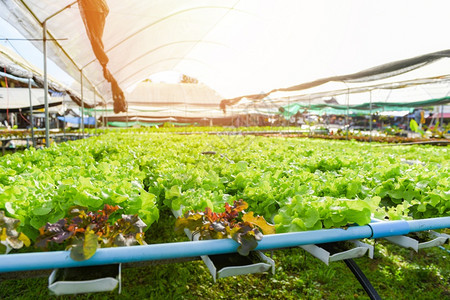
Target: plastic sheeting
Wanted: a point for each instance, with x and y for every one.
(13, 99)
(364, 108)
(14, 65)
(235, 47)
(156, 99)
(425, 86)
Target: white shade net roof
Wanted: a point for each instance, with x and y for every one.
(150, 100)
(15, 67)
(235, 47)
(431, 81)
(15, 99)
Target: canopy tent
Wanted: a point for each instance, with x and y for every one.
(14, 66)
(15, 99)
(151, 102)
(156, 99)
(394, 85)
(236, 48)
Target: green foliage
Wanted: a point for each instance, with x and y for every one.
(415, 127)
(234, 223)
(144, 172)
(313, 213)
(86, 231)
(39, 186)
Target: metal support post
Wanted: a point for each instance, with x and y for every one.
(103, 115)
(47, 125)
(82, 105)
(106, 109)
(44, 51)
(370, 119)
(31, 114)
(95, 114)
(346, 116)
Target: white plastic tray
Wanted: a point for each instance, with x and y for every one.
(409, 242)
(265, 265)
(359, 250)
(105, 284)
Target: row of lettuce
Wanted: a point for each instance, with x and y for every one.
(297, 184)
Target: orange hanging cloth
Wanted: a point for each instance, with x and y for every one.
(422, 117)
(94, 14)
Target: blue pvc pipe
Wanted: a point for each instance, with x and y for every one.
(381, 229)
(389, 228)
(61, 259)
(292, 239)
(429, 224)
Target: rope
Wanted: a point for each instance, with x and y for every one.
(20, 112)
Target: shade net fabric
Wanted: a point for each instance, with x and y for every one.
(237, 48)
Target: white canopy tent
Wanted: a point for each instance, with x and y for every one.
(153, 102)
(13, 99)
(235, 47)
(427, 82)
(12, 64)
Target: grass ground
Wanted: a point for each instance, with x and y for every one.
(395, 272)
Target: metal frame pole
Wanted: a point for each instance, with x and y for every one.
(370, 119)
(82, 105)
(64, 127)
(309, 113)
(31, 114)
(346, 116)
(103, 116)
(106, 109)
(64, 121)
(47, 125)
(95, 114)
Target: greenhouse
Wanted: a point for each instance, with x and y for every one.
(224, 150)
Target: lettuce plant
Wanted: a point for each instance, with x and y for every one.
(233, 223)
(86, 231)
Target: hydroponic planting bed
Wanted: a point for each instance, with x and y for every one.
(297, 184)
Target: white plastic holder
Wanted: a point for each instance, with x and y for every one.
(409, 242)
(265, 263)
(359, 250)
(104, 284)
